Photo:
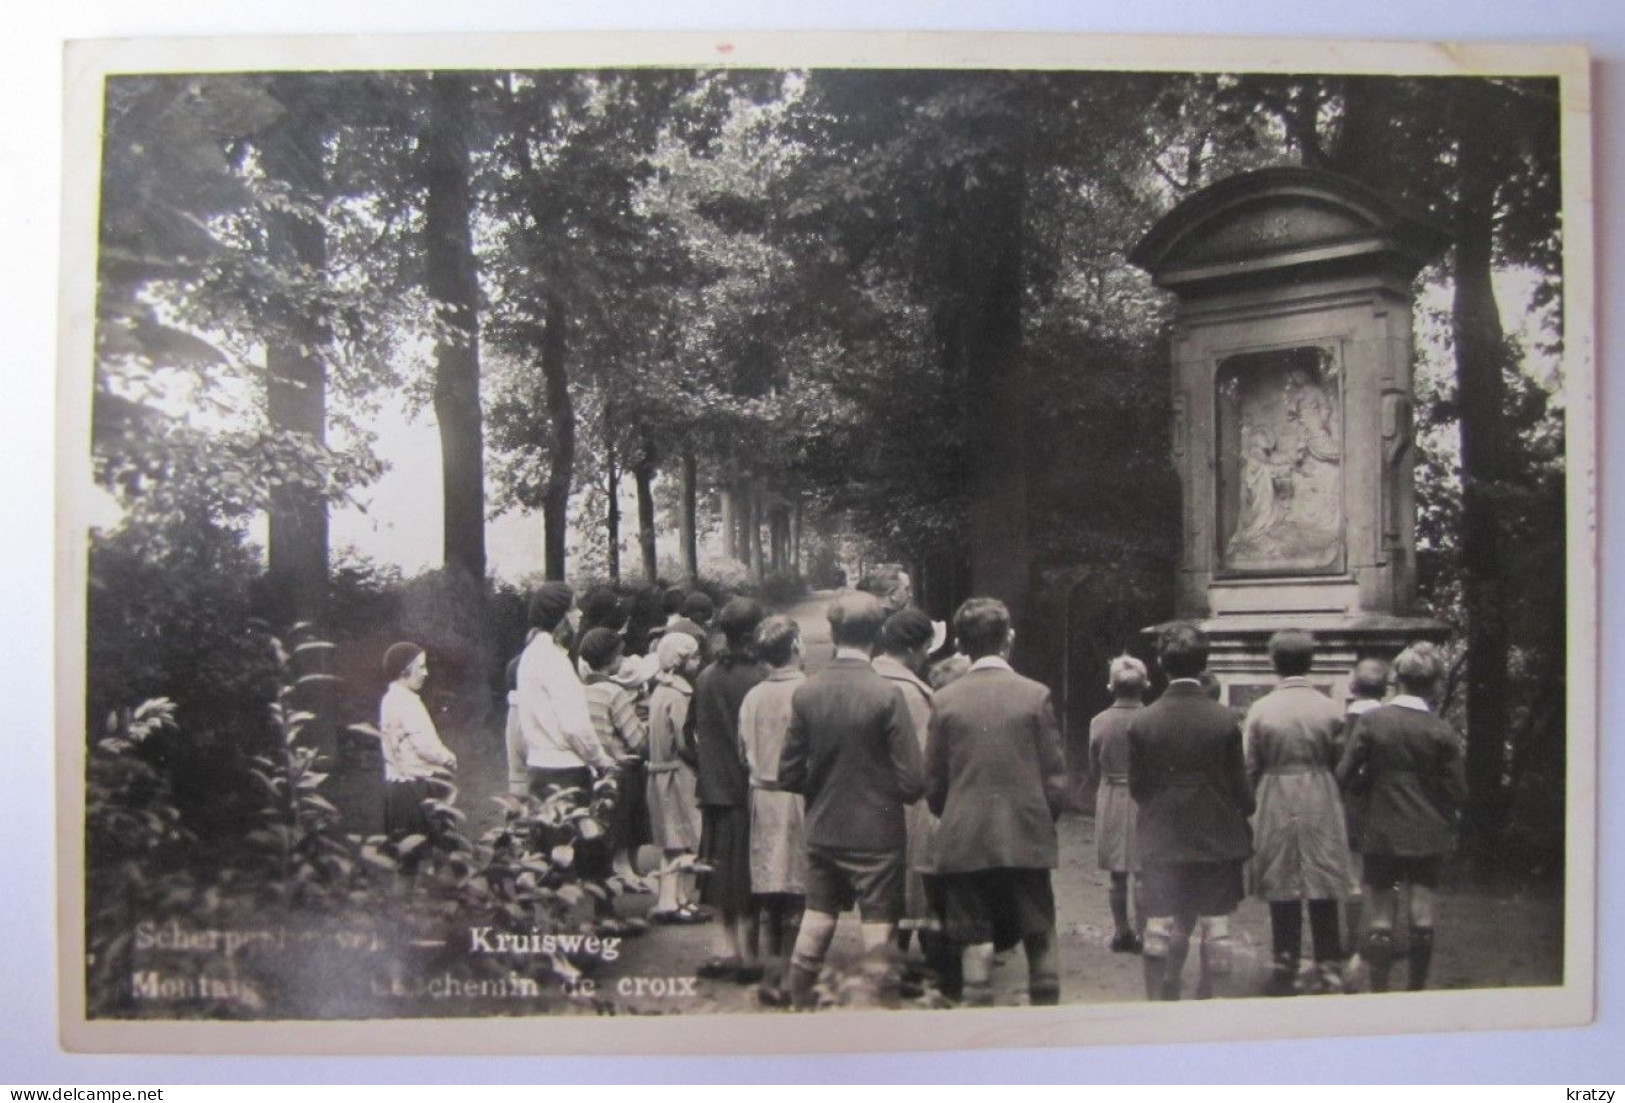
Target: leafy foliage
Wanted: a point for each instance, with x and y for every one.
(815, 281)
(322, 924)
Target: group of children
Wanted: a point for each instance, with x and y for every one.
(1300, 801)
(696, 732)
(715, 705)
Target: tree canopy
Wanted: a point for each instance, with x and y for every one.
(899, 300)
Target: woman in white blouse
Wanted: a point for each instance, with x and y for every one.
(412, 749)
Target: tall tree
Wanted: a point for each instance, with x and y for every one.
(213, 249)
(561, 452)
(294, 154)
(643, 474)
(1480, 364)
(583, 288)
(452, 279)
(687, 526)
(957, 227)
(985, 212)
(540, 206)
(1495, 187)
(612, 495)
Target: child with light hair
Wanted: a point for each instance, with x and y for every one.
(778, 845)
(1408, 764)
(1127, 680)
(674, 811)
(624, 735)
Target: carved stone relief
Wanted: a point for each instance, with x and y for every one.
(1281, 462)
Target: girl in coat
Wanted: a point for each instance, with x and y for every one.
(724, 793)
(1300, 837)
(778, 845)
(674, 812)
(1114, 808)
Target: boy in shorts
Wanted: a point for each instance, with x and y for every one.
(852, 753)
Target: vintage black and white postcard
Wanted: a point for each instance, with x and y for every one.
(689, 543)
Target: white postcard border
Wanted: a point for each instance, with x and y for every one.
(1572, 1004)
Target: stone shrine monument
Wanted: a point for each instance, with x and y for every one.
(1292, 418)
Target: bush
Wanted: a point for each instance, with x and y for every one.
(669, 566)
(328, 924)
(507, 619)
(821, 558)
(361, 595)
(441, 611)
(725, 578)
(165, 622)
(444, 612)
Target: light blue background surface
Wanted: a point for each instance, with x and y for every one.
(29, 153)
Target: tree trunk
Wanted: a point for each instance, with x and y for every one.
(1303, 124)
(753, 530)
(795, 541)
(1364, 146)
(294, 153)
(989, 224)
(730, 530)
(644, 474)
(612, 510)
(687, 521)
(741, 516)
(452, 282)
(562, 448)
(1480, 356)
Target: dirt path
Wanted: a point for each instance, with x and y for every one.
(810, 615)
(1485, 940)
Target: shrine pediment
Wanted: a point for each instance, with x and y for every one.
(1261, 228)
(1276, 220)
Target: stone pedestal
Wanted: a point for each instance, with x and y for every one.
(1291, 365)
(1238, 656)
